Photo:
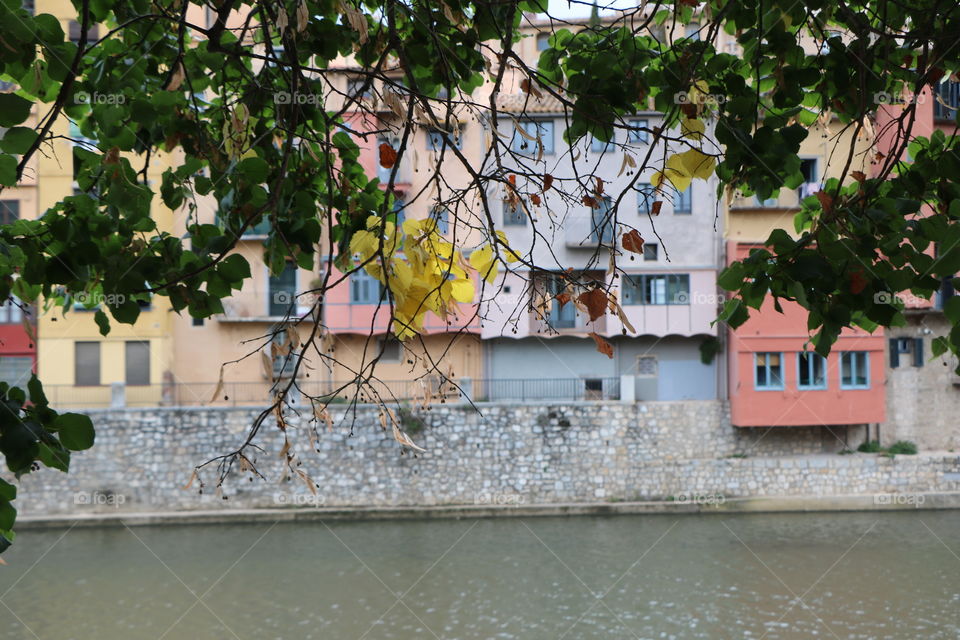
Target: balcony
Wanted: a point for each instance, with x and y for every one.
(583, 232)
(787, 199)
(565, 320)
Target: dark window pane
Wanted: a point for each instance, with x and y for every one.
(283, 290)
(9, 211)
(86, 364)
(138, 362)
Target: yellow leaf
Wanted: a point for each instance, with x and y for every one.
(462, 290)
(698, 164)
(692, 128)
(484, 261)
(364, 243)
(677, 172)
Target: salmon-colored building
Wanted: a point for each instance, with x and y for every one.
(773, 376)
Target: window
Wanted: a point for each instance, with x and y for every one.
(283, 291)
(93, 33)
(86, 364)
(514, 215)
(28, 5)
(399, 209)
(561, 316)
(949, 93)
(356, 90)
(603, 223)
(284, 363)
(599, 146)
(647, 366)
(437, 139)
(389, 350)
(543, 41)
(10, 311)
(900, 346)
(855, 370)
(534, 129)
(365, 289)
(766, 203)
(137, 362)
(768, 371)
(811, 371)
(658, 289)
(197, 322)
(646, 196)
(650, 251)
(683, 202)
(442, 216)
(637, 136)
(811, 184)
(15, 370)
(692, 31)
(9, 211)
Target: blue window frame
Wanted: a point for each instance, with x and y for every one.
(442, 216)
(533, 128)
(811, 370)
(855, 370)
(437, 138)
(399, 209)
(683, 201)
(768, 371)
(514, 216)
(601, 230)
(599, 146)
(656, 289)
(365, 289)
(562, 316)
(646, 196)
(639, 137)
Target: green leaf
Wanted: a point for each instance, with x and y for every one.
(13, 109)
(234, 268)
(75, 431)
(103, 322)
(8, 170)
(8, 515)
(18, 140)
(54, 457)
(7, 490)
(254, 170)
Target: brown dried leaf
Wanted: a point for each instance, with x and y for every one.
(219, 387)
(177, 78)
(590, 201)
(826, 201)
(535, 199)
(595, 302)
(388, 156)
(547, 182)
(655, 207)
(603, 346)
(303, 16)
(562, 298)
(633, 241)
(599, 189)
(193, 476)
(859, 176)
(623, 316)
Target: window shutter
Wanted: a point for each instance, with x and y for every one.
(894, 354)
(918, 352)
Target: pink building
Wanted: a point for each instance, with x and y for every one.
(776, 380)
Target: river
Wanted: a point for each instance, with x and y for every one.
(786, 576)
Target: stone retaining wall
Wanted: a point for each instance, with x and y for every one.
(511, 454)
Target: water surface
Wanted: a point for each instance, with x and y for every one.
(787, 576)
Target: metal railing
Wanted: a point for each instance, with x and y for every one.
(260, 393)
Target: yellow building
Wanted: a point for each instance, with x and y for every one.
(76, 363)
